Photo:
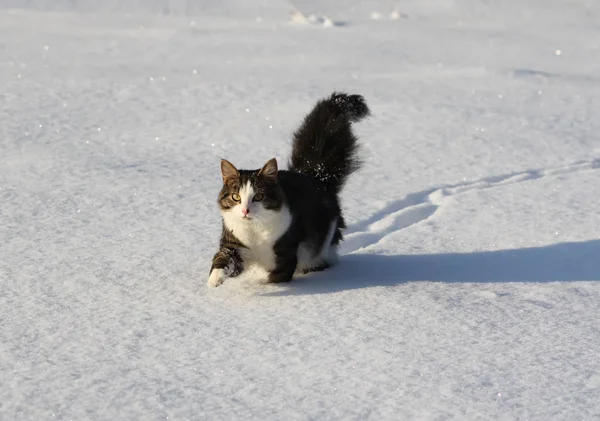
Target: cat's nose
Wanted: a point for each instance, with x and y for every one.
(245, 211)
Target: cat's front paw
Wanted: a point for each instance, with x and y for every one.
(216, 278)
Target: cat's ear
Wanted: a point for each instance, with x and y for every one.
(228, 171)
(269, 170)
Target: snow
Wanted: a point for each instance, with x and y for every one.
(468, 287)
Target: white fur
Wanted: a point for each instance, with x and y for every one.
(305, 257)
(259, 231)
(262, 228)
(216, 278)
(328, 253)
(325, 250)
(246, 194)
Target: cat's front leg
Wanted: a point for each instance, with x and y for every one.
(227, 263)
(286, 260)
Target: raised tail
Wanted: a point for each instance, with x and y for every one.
(324, 146)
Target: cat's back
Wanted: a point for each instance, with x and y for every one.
(308, 197)
(292, 181)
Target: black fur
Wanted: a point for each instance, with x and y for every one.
(324, 146)
(272, 191)
(228, 254)
(324, 155)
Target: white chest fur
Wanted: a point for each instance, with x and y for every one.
(259, 234)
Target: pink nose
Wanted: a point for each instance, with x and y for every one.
(245, 211)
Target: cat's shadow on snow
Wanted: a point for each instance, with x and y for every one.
(558, 262)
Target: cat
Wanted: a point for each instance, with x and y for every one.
(290, 221)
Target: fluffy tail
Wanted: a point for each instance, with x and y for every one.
(324, 146)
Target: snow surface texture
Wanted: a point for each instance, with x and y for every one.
(468, 287)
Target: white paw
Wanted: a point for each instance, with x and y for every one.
(216, 278)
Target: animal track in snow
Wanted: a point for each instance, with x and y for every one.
(419, 206)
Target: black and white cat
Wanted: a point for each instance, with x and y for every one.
(290, 221)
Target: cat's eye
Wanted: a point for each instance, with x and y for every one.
(236, 197)
(258, 197)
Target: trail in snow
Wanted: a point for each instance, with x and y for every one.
(419, 206)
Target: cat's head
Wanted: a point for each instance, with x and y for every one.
(250, 195)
